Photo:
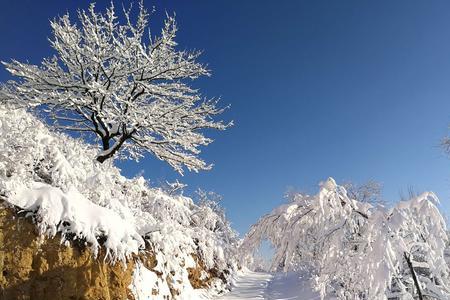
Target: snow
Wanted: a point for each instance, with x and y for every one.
(72, 213)
(144, 282)
(250, 285)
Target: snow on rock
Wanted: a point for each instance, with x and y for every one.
(71, 213)
(145, 284)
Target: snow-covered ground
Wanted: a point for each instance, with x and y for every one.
(279, 286)
(249, 285)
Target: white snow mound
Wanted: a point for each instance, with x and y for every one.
(71, 213)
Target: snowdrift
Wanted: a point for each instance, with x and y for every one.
(54, 179)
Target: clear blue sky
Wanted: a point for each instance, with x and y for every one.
(355, 90)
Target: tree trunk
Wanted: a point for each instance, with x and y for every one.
(110, 151)
(414, 275)
(105, 143)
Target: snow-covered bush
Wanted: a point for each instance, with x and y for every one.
(56, 179)
(357, 251)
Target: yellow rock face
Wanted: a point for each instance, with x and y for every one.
(43, 269)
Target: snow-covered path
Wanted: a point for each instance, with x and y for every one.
(254, 286)
(249, 285)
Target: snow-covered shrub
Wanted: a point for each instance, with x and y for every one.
(357, 251)
(210, 215)
(56, 178)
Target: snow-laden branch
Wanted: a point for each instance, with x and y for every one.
(356, 250)
(126, 87)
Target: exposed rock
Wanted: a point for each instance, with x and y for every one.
(200, 277)
(42, 268)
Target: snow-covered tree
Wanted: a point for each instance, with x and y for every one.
(210, 215)
(116, 81)
(358, 251)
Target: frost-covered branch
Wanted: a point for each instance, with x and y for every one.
(369, 192)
